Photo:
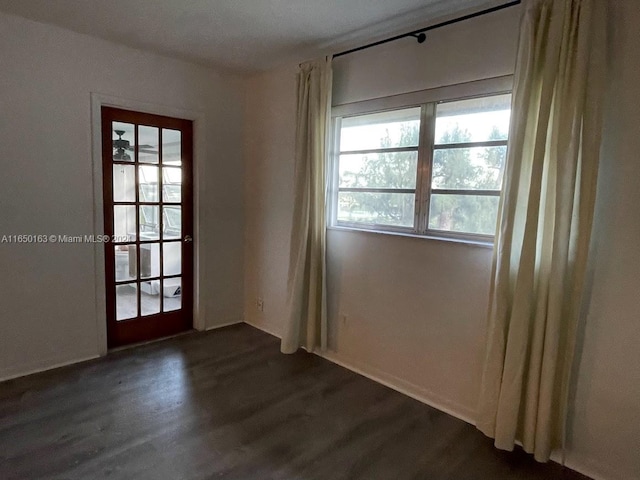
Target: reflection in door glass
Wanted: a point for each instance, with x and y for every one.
(149, 223)
(149, 260)
(149, 298)
(126, 302)
(172, 258)
(172, 217)
(148, 179)
(172, 185)
(123, 142)
(172, 294)
(148, 144)
(125, 256)
(124, 181)
(124, 222)
(171, 147)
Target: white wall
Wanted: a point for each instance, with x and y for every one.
(416, 308)
(47, 292)
(269, 145)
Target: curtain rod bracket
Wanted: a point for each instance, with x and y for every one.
(421, 37)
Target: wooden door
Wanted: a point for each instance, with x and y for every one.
(148, 215)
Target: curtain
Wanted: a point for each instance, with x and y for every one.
(543, 238)
(307, 324)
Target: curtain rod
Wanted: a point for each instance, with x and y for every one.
(420, 35)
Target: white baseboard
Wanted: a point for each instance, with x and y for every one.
(398, 384)
(222, 325)
(52, 364)
(264, 329)
(43, 367)
(592, 469)
(393, 382)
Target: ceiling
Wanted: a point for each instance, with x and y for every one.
(241, 35)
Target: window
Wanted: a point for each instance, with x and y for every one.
(431, 169)
(378, 168)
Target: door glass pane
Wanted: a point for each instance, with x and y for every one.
(125, 256)
(124, 180)
(148, 178)
(172, 258)
(172, 185)
(399, 128)
(464, 213)
(172, 291)
(126, 301)
(171, 147)
(123, 141)
(150, 298)
(149, 222)
(149, 260)
(124, 222)
(172, 218)
(474, 120)
(148, 144)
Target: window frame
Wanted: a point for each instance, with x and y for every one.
(427, 101)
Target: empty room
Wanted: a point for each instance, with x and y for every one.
(294, 240)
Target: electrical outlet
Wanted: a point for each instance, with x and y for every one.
(260, 304)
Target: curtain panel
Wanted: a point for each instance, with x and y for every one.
(542, 242)
(307, 324)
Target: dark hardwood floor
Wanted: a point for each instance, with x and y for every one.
(226, 404)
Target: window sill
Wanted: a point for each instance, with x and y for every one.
(452, 239)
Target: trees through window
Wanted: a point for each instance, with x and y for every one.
(433, 169)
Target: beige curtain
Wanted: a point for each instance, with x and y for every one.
(307, 325)
(546, 217)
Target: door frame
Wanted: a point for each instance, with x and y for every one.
(199, 154)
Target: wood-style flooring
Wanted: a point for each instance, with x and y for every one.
(226, 404)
